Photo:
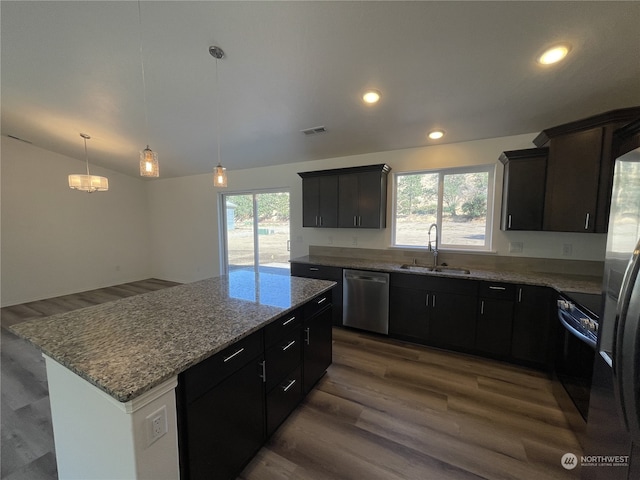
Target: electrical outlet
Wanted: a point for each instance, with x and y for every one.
(156, 424)
(567, 250)
(354, 241)
(515, 247)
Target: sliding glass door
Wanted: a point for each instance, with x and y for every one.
(256, 231)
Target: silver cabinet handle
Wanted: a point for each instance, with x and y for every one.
(320, 220)
(427, 300)
(509, 222)
(520, 295)
(263, 364)
(322, 300)
(288, 345)
(307, 335)
(359, 221)
(226, 359)
(586, 221)
(316, 220)
(433, 304)
(289, 385)
(288, 321)
(355, 221)
(482, 307)
(313, 269)
(493, 287)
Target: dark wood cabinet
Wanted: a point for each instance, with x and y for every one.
(354, 197)
(221, 412)
(324, 272)
(534, 320)
(523, 191)
(408, 314)
(580, 171)
(320, 201)
(230, 403)
(317, 344)
(435, 311)
(495, 318)
(362, 199)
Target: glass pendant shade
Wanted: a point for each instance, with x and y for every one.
(220, 176)
(87, 182)
(149, 163)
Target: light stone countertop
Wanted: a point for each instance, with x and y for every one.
(560, 282)
(128, 346)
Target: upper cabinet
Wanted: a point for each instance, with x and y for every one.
(357, 195)
(523, 188)
(580, 171)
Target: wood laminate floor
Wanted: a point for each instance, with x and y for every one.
(384, 410)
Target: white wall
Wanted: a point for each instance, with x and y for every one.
(183, 206)
(56, 240)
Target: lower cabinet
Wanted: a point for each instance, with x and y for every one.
(323, 272)
(408, 313)
(230, 403)
(534, 321)
(495, 319)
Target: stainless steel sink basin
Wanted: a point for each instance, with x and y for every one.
(438, 269)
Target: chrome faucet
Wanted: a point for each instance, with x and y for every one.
(431, 249)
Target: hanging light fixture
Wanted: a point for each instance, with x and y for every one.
(88, 183)
(148, 158)
(219, 173)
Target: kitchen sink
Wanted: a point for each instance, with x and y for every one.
(438, 269)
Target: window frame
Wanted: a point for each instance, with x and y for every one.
(490, 169)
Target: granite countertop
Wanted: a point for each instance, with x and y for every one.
(560, 282)
(128, 346)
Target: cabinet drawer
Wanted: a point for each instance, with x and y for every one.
(317, 304)
(283, 357)
(283, 399)
(282, 326)
(434, 283)
(200, 378)
(321, 272)
(498, 290)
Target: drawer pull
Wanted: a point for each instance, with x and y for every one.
(509, 225)
(288, 321)
(322, 300)
(313, 269)
(289, 385)
(493, 287)
(226, 359)
(288, 345)
(307, 335)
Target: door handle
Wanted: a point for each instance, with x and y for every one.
(263, 364)
(586, 221)
(307, 335)
(482, 307)
(509, 222)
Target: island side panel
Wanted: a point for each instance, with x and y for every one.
(97, 437)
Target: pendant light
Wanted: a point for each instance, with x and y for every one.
(148, 158)
(88, 183)
(219, 173)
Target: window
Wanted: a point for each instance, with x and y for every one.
(459, 201)
(256, 231)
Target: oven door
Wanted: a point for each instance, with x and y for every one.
(574, 363)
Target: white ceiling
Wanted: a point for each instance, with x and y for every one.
(466, 67)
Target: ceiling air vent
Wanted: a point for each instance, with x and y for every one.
(314, 130)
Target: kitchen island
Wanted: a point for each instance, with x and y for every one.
(113, 368)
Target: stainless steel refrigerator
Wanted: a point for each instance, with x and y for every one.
(612, 451)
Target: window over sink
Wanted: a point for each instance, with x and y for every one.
(459, 201)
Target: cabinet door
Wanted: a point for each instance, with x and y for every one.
(452, 322)
(283, 399)
(493, 331)
(408, 315)
(523, 192)
(533, 325)
(573, 173)
(348, 200)
(320, 201)
(317, 347)
(324, 273)
(225, 426)
(371, 205)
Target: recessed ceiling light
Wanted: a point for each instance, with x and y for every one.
(554, 54)
(436, 134)
(371, 96)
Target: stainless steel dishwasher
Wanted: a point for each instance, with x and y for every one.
(366, 300)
